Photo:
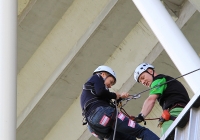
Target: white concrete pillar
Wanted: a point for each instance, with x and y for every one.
(8, 47)
(172, 39)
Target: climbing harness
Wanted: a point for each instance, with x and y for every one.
(167, 116)
(95, 132)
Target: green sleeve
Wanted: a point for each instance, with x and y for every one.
(158, 89)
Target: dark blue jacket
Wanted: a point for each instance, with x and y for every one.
(95, 94)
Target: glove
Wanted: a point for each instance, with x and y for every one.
(118, 100)
(139, 118)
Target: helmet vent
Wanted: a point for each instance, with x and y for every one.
(140, 69)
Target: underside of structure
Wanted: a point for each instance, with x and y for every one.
(61, 43)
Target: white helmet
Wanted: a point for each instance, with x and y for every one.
(106, 69)
(140, 69)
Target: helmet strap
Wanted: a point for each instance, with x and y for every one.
(109, 75)
(105, 78)
(151, 74)
(102, 77)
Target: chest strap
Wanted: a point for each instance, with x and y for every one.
(90, 88)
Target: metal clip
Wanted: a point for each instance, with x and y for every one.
(161, 121)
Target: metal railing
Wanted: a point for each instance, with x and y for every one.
(192, 128)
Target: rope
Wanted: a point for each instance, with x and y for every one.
(115, 120)
(132, 117)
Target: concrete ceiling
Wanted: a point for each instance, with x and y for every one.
(61, 42)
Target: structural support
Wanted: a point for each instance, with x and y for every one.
(172, 39)
(8, 47)
(196, 4)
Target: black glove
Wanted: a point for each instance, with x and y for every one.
(118, 100)
(139, 118)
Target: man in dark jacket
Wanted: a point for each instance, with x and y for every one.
(171, 96)
(100, 113)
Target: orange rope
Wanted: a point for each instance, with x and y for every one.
(133, 117)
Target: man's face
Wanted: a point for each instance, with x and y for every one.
(110, 81)
(146, 79)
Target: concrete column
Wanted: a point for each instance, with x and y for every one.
(8, 47)
(172, 39)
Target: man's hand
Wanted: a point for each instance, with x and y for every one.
(117, 96)
(139, 118)
(124, 95)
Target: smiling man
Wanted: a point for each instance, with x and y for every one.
(172, 96)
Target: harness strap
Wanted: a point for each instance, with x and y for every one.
(92, 100)
(89, 87)
(89, 102)
(176, 105)
(172, 118)
(163, 118)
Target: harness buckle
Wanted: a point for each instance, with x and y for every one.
(84, 121)
(165, 117)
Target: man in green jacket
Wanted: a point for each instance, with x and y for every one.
(171, 96)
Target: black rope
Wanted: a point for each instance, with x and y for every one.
(136, 95)
(115, 120)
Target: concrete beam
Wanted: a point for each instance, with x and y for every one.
(51, 60)
(24, 6)
(48, 57)
(131, 52)
(35, 23)
(196, 4)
